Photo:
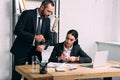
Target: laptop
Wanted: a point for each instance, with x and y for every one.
(100, 60)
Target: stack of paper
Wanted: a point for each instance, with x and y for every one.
(53, 65)
(62, 66)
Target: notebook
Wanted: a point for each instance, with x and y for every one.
(100, 59)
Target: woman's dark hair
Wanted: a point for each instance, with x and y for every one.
(46, 2)
(75, 34)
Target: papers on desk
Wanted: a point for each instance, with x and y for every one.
(62, 66)
(53, 64)
(116, 66)
(58, 69)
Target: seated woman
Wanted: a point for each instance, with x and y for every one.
(69, 50)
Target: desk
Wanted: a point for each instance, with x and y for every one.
(79, 73)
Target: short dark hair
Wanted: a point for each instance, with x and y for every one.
(46, 2)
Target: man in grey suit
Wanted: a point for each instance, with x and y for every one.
(24, 45)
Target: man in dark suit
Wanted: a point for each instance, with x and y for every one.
(69, 50)
(24, 45)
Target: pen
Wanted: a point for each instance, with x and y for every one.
(72, 68)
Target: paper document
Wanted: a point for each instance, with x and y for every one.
(116, 66)
(62, 66)
(53, 65)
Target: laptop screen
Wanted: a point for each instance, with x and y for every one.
(100, 58)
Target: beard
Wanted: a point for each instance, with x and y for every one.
(43, 14)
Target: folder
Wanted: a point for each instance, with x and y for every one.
(17, 8)
(24, 4)
(21, 6)
(55, 24)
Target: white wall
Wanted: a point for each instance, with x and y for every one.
(116, 21)
(91, 18)
(95, 20)
(5, 22)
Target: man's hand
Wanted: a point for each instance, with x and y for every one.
(39, 38)
(40, 48)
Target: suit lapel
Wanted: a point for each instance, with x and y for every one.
(72, 52)
(43, 26)
(35, 19)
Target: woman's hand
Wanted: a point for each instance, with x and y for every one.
(63, 57)
(73, 59)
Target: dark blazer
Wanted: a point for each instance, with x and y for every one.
(25, 31)
(76, 51)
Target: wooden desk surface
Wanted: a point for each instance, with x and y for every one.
(79, 73)
(26, 71)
